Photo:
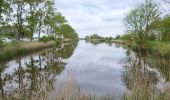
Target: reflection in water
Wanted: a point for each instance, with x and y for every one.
(142, 79)
(97, 70)
(33, 75)
(97, 42)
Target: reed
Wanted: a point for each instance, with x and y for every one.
(11, 50)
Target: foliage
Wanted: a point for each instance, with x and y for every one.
(24, 18)
(68, 32)
(117, 37)
(160, 48)
(139, 19)
(87, 37)
(95, 36)
(124, 37)
(47, 38)
(97, 39)
(162, 27)
(32, 18)
(4, 9)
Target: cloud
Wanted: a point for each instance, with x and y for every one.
(103, 17)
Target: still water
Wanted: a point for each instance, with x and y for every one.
(98, 69)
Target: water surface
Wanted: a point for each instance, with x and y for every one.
(98, 69)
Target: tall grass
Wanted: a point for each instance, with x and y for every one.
(161, 48)
(70, 90)
(13, 49)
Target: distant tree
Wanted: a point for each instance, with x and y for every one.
(95, 36)
(87, 37)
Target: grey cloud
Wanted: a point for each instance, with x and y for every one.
(95, 16)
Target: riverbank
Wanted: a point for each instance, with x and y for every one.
(105, 41)
(13, 49)
(159, 48)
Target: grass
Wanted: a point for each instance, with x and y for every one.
(160, 48)
(10, 50)
(157, 48)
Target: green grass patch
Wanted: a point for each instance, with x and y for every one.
(47, 38)
(159, 48)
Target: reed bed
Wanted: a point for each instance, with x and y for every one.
(13, 49)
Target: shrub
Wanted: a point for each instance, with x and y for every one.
(95, 36)
(87, 37)
(152, 37)
(159, 48)
(117, 37)
(126, 37)
(46, 39)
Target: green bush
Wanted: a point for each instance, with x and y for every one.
(46, 39)
(159, 48)
(124, 37)
(87, 37)
(152, 37)
(95, 36)
(117, 37)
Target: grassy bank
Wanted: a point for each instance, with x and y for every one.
(13, 49)
(161, 48)
(155, 47)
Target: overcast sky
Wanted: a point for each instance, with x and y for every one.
(104, 17)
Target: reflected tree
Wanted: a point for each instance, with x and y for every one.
(34, 76)
(138, 77)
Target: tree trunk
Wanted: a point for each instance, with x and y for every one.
(40, 24)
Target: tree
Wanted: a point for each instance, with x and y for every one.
(162, 26)
(40, 12)
(139, 19)
(32, 18)
(19, 14)
(4, 9)
(49, 13)
(68, 32)
(58, 21)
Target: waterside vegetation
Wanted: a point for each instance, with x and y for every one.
(147, 30)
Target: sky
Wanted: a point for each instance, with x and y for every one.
(103, 17)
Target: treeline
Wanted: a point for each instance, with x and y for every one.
(24, 18)
(97, 38)
(147, 21)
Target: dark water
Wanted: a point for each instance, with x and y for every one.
(100, 69)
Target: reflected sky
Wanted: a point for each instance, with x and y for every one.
(97, 69)
(100, 69)
(103, 17)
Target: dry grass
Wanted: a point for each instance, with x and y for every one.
(11, 50)
(35, 44)
(69, 90)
